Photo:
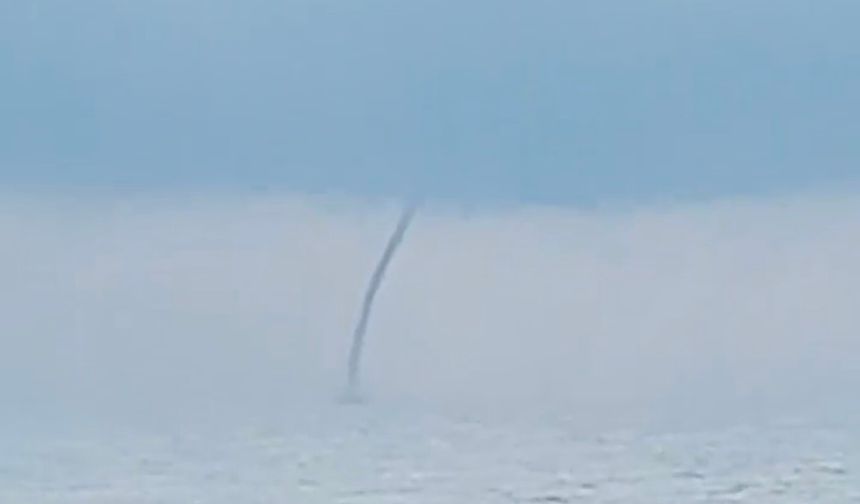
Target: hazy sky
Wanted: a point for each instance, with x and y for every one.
(245, 305)
(161, 163)
(564, 101)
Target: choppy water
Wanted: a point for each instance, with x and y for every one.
(344, 457)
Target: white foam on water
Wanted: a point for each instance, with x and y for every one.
(352, 455)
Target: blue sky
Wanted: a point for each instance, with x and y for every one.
(560, 101)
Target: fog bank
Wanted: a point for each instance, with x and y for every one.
(242, 306)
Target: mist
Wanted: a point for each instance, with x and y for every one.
(242, 306)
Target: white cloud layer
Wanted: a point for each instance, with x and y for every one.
(244, 305)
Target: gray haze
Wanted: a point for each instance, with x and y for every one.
(241, 306)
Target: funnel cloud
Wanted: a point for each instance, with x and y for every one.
(354, 367)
